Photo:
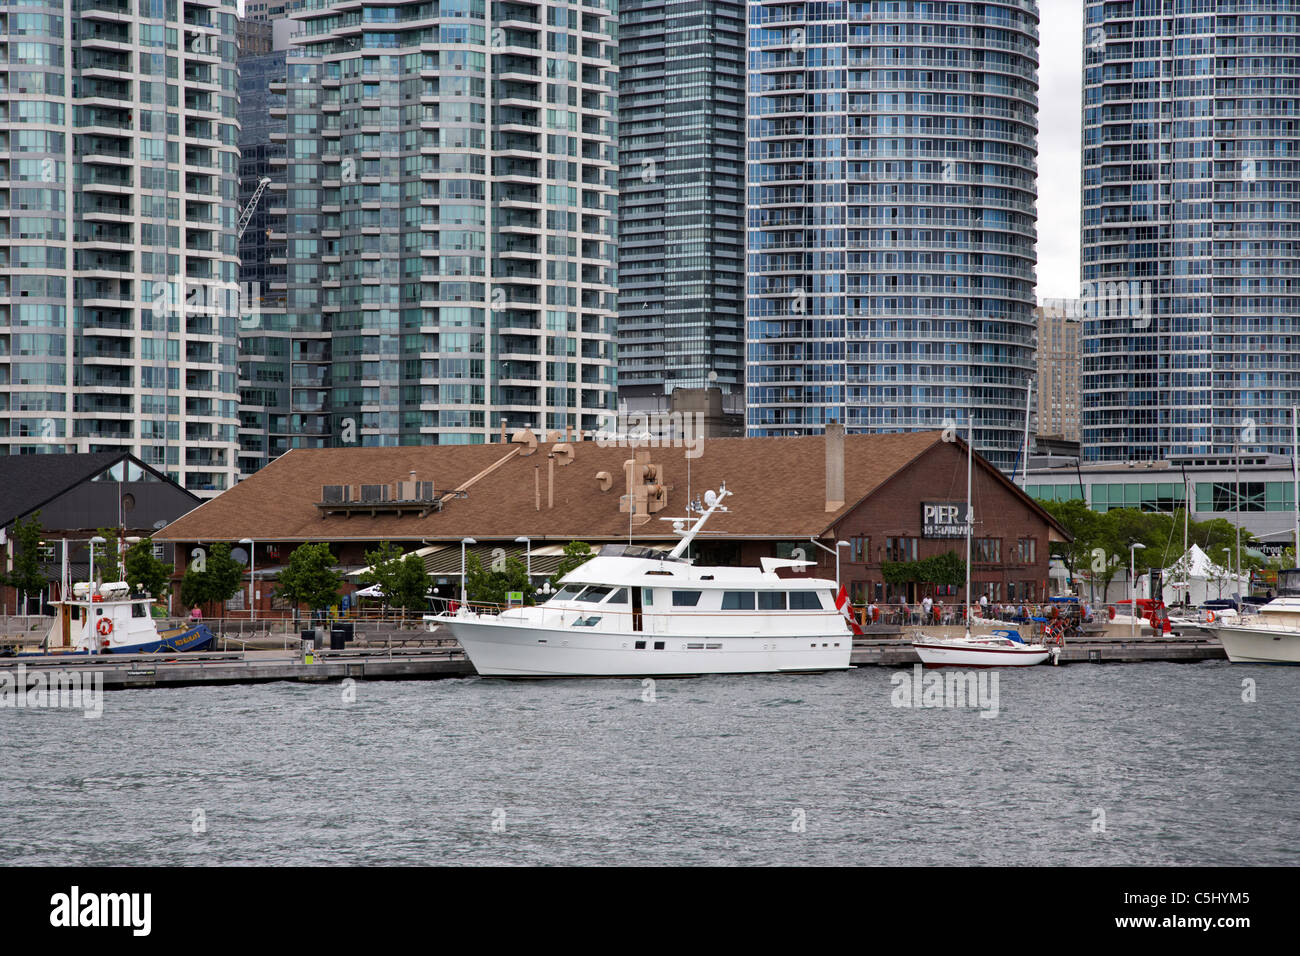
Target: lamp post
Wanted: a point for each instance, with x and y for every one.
(463, 542)
(527, 542)
(97, 539)
(252, 577)
(1132, 584)
(838, 545)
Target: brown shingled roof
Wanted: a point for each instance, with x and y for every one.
(779, 486)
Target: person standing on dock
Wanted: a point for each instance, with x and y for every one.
(195, 614)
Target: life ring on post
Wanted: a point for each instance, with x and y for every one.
(1110, 612)
(104, 627)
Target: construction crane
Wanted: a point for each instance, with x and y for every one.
(246, 214)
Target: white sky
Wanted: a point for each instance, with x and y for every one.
(1060, 78)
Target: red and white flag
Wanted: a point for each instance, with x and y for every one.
(844, 607)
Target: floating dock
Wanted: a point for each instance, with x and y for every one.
(123, 671)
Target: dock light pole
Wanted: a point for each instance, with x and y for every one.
(1133, 549)
(838, 545)
(97, 539)
(463, 542)
(252, 576)
(527, 542)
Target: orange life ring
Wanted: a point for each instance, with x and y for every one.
(1111, 612)
(104, 627)
(1209, 617)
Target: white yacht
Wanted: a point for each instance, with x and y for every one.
(641, 612)
(1271, 635)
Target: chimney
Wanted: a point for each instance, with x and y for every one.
(834, 466)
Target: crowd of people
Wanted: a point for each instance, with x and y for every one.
(931, 612)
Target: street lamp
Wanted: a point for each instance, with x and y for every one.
(252, 577)
(838, 545)
(97, 539)
(1132, 584)
(463, 542)
(527, 542)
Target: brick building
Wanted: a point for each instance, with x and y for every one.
(871, 491)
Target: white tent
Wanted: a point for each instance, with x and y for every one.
(1197, 578)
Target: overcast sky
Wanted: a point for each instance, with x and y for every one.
(1060, 81)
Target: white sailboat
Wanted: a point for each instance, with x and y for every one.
(1000, 648)
(640, 612)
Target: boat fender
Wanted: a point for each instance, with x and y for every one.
(104, 627)
(1110, 612)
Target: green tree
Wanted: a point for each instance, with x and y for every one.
(946, 568)
(26, 577)
(403, 580)
(492, 586)
(146, 573)
(1083, 525)
(576, 553)
(219, 581)
(311, 577)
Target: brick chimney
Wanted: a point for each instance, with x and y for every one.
(834, 466)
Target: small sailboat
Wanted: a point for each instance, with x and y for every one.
(1002, 647)
(105, 619)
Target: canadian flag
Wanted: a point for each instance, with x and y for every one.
(844, 607)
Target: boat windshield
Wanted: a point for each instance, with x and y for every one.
(568, 592)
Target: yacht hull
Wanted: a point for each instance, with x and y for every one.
(507, 650)
(1257, 645)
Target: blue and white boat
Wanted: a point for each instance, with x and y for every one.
(105, 619)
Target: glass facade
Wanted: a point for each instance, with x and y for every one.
(1191, 166)
(449, 220)
(119, 299)
(682, 200)
(891, 217)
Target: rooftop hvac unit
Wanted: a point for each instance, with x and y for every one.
(335, 494)
(371, 494)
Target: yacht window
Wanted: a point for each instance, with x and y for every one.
(771, 600)
(647, 596)
(567, 593)
(738, 600)
(590, 621)
(805, 601)
(595, 593)
(137, 610)
(620, 597)
(686, 598)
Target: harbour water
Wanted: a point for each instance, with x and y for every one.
(1142, 764)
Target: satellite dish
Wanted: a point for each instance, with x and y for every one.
(710, 498)
(160, 524)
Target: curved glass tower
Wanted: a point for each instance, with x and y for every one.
(891, 176)
(1191, 176)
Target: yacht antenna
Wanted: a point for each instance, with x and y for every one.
(713, 503)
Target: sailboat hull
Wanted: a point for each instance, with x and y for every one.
(962, 654)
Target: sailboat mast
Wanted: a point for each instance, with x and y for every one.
(1295, 481)
(970, 455)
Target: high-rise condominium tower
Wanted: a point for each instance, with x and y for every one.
(119, 300)
(449, 219)
(681, 196)
(1191, 248)
(891, 235)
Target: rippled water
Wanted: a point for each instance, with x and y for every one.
(713, 770)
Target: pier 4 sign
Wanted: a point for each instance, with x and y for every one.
(943, 519)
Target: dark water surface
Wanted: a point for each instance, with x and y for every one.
(717, 770)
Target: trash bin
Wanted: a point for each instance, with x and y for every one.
(349, 630)
(338, 637)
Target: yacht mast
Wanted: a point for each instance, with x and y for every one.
(970, 454)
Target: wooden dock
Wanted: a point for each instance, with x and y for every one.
(1098, 650)
(123, 671)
